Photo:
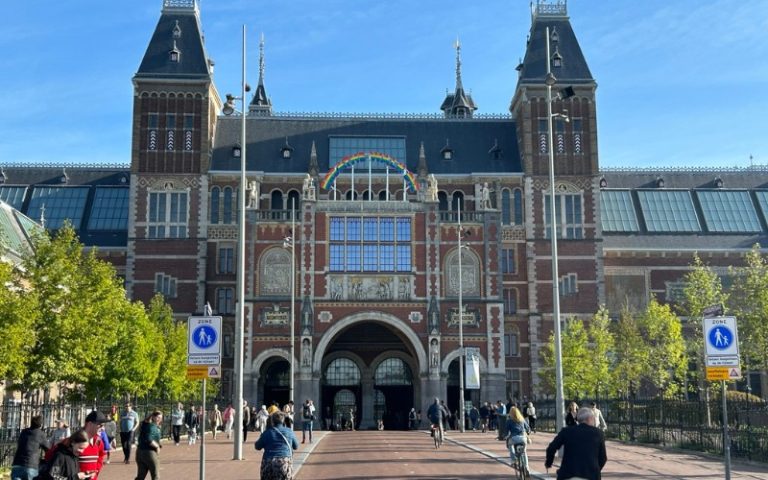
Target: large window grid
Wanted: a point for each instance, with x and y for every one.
(393, 371)
(728, 211)
(340, 147)
(167, 215)
(226, 259)
(225, 301)
(165, 285)
(668, 211)
(568, 215)
(618, 214)
(370, 244)
(110, 209)
(61, 203)
(342, 371)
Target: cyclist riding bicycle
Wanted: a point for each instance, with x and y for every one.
(437, 414)
(517, 434)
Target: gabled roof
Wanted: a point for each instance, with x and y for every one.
(563, 41)
(179, 29)
(470, 140)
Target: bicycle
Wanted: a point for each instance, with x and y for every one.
(437, 435)
(520, 465)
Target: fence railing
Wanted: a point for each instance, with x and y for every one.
(694, 425)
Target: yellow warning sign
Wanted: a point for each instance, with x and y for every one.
(197, 372)
(718, 373)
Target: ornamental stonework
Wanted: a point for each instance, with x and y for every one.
(222, 232)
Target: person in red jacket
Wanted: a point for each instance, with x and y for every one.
(91, 460)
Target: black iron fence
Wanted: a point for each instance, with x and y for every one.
(694, 425)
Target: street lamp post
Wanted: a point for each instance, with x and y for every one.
(290, 244)
(461, 327)
(559, 402)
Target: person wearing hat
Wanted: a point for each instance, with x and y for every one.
(91, 460)
(129, 422)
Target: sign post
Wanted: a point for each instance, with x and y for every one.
(721, 340)
(203, 358)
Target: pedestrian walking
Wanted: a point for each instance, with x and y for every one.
(531, 410)
(129, 422)
(215, 419)
(177, 421)
(412, 419)
(485, 415)
(229, 420)
(262, 419)
(192, 422)
(147, 460)
(599, 419)
(59, 433)
(584, 453)
(474, 417)
(288, 411)
(278, 443)
(571, 415)
(110, 430)
(26, 461)
(246, 420)
(307, 418)
(63, 462)
(91, 460)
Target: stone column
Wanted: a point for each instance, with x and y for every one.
(366, 420)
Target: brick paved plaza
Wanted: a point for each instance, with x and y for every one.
(393, 455)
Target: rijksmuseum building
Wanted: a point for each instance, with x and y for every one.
(397, 219)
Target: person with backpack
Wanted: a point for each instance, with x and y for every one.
(307, 417)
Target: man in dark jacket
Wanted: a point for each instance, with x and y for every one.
(584, 455)
(26, 462)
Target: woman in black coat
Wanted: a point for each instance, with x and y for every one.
(63, 464)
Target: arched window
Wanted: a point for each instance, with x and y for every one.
(227, 217)
(506, 207)
(518, 207)
(276, 203)
(350, 193)
(342, 371)
(383, 195)
(457, 201)
(442, 199)
(215, 192)
(294, 200)
(393, 371)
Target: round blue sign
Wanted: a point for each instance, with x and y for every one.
(204, 336)
(721, 337)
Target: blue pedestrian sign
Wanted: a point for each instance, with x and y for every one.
(721, 337)
(204, 345)
(721, 342)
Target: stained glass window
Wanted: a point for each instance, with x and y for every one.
(110, 209)
(618, 213)
(668, 211)
(728, 211)
(60, 204)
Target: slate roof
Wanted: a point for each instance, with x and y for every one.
(470, 139)
(574, 69)
(193, 60)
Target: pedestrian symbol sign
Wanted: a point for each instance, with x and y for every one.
(721, 337)
(204, 345)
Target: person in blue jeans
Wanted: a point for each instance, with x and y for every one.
(307, 417)
(278, 443)
(26, 461)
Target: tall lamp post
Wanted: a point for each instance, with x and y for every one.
(559, 402)
(229, 109)
(289, 243)
(461, 326)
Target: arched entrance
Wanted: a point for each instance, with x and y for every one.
(275, 375)
(377, 362)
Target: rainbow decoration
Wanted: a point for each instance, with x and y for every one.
(358, 157)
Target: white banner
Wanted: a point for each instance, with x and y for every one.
(472, 369)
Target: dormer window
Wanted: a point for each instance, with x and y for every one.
(177, 30)
(495, 151)
(175, 53)
(447, 151)
(557, 59)
(287, 150)
(237, 151)
(554, 36)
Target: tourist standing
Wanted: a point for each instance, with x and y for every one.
(531, 416)
(129, 422)
(278, 443)
(571, 414)
(216, 420)
(192, 422)
(177, 421)
(307, 417)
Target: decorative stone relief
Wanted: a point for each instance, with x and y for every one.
(434, 354)
(470, 318)
(274, 316)
(222, 232)
(379, 287)
(306, 353)
(276, 272)
(325, 317)
(415, 317)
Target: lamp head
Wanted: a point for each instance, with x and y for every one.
(229, 105)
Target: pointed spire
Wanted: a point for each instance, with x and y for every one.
(457, 45)
(422, 169)
(261, 103)
(314, 169)
(458, 104)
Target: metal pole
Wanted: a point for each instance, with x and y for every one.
(293, 296)
(461, 327)
(726, 438)
(240, 315)
(202, 437)
(559, 401)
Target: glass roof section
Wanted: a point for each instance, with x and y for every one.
(110, 209)
(59, 203)
(668, 211)
(13, 196)
(728, 211)
(618, 213)
(762, 200)
(340, 147)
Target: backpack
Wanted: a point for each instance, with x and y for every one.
(307, 413)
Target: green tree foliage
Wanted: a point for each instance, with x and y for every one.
(703, 288)
(750, 305)
(601, 354)
(667, 360)
(631, 357)
(171, 382)
(18, 315)
(575, 361)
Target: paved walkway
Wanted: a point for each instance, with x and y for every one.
(398, 455)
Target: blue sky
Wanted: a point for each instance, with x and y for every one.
(682, 83)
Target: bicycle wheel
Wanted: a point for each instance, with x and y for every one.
(437, 440)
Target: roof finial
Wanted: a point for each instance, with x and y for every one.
(261, 60)
(457, 45)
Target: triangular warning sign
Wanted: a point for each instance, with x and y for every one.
(735, 373)
(212, 372)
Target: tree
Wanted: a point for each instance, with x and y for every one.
(172, 379)
(78, 295)
(631, 353)
(703, 288)
(666, 350)
(750, 305)
(602, 353)
(18, 315)
(576, 361)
